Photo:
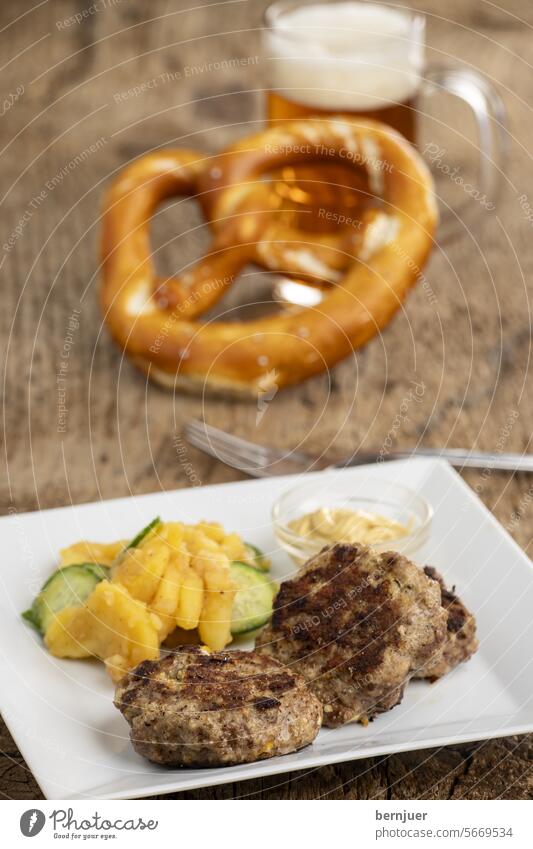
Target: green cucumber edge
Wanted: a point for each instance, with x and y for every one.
(260, 620)
(29, 617)
(144, 533)
(261, 562)
(32, 617)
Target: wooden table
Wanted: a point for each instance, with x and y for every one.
(88, 95)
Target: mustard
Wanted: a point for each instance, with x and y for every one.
(328, 525)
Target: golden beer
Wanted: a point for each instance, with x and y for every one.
(351, 59)
(401, 116)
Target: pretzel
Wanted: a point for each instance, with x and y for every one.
(156, 320)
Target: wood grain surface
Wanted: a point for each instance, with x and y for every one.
(84, 95)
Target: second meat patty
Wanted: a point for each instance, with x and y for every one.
(461, 641)
(357, 625)
(199, 708)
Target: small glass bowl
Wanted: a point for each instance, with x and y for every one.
(384, 497)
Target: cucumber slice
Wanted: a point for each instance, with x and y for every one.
(256, 557)
(144, 533)
(65, 587)
(252, 607)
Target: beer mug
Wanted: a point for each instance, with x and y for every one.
(364, 60)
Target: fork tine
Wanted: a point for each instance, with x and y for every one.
(254, 459)
(234, 462)
(252, 450)
(224, 455)
(227, 454)
(220, 437)
(217, 448)
(243, 451)
(220, 440)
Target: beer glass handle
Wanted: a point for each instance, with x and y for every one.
(490, 116)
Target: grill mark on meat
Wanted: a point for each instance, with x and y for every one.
(193, 708)
(320, 629)
(357, 625)
(218, 658)
(266, 704)
(456, 621)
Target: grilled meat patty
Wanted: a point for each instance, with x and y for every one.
(357, 625)
(195, 708)
(461, 641)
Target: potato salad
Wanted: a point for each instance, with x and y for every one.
(120, 601)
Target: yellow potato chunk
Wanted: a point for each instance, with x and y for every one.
(165, 602)
(233, 547)
(191, 599)
(173, 534)
(215, 620)
(212, 530)
(110, 622)
(91, 552)
(69, 633)
(141, 569)
(116, 666)
(196, 541)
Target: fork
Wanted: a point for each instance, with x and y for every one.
(262, 461)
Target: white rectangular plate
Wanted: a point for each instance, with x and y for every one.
(76, 743)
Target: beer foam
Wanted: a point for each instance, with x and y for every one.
(349, 56)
